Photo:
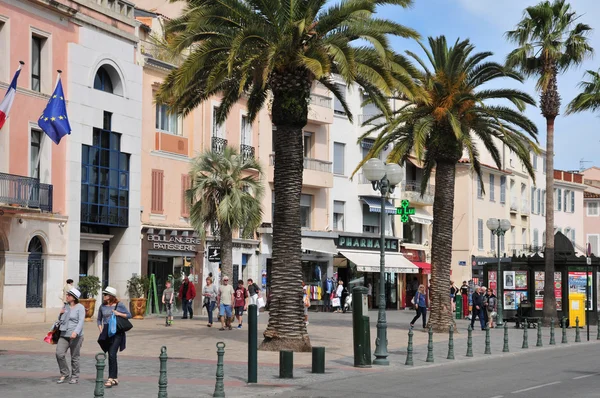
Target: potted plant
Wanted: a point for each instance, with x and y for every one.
(89, 286)
(137, 288)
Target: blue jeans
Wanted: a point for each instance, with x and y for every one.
(210, 308)
(187, 307)
(225, 310)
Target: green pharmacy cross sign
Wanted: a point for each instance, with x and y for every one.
(404, 211)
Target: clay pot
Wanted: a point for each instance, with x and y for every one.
(90, 306)
(138, 308)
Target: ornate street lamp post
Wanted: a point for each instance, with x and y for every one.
(499, 228)
(384, 178)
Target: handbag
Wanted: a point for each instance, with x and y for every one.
(335, 302)
(123, 324)
(54, 334)
(260, 302)
(112, 325)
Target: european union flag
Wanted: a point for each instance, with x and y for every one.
(54, 121)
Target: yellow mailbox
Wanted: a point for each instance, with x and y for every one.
(576, 309)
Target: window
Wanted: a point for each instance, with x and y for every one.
(592, 208)
(246, 131)
(305, 210)
(371, 221)
(544, 164)
(492, 191)
(480, 234)
(338, 215)
(502, 189)
(218, 130)
(165, 121)
(102, 81)
(544, 202)
(307, 144)
(502, 244)
(338, 109)
(186, 183)
(157, 191)
(338, 157)
(538, 199)
(34, 154)
(557, 199)
(479, 188)
(524, 236)
(492, 241)
(536, 242)
(572, 201)
(534, 161)
(412, 232)
(566, 201)
(36, 62)
(594, 242)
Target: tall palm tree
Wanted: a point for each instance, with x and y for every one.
(550, 41)
(226, 195)
(589, 98)
(454, 120)
(277, 49)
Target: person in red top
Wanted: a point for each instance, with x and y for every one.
(187, 292)
(241, 301)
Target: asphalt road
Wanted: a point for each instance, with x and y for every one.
(572, 371)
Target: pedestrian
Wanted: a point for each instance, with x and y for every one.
(328, 292)
(253, 294)
(241, 302)
(167, 300)
(453, 293)
(225, 301)
(478, 310)
(305, 301)
(117, 342)
(209, 292)
(71, 336)
(484, 299)
(464, 292)
(369, 296)
(420, 303)
(187, 292)
(338, 293)
(66, 289)
(492, 307)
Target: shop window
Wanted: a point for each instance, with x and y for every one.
(305, 210)
(313, 272)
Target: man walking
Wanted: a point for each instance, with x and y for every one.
(187, 292)
(253, 294)
(478, 308)
(225, 301)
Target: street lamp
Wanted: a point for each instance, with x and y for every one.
(384, 178)
(499, 228)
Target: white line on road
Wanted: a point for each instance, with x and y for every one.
(536, 387)
(498, 396)
(584, 376)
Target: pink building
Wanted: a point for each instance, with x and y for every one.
(591, 200)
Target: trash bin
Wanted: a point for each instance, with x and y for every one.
(459, 309)
(576, 309)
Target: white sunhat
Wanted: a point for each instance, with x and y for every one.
(111, 291)
(74, 292)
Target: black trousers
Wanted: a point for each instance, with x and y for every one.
(187, 307)
(420, 311)
(113, 349)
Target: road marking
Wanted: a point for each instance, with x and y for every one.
(536, 387)
(498, 396)
(584, 376)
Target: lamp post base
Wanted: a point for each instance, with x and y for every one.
(381, 352)
(381, 361)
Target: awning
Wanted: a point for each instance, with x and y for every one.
(375, 205)
(422, 216)
(426, 267)
(369, 262)
(319, 245)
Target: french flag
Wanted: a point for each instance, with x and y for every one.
(8, 99)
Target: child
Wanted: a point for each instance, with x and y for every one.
(167, 299)
(241, 301)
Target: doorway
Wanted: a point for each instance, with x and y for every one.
(35, 274)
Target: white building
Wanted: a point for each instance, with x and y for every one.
(537, 220)
(569, 207)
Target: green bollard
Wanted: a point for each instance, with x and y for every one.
(459, 307)
(552, 341)
(361, 331)
(564, 331)
(318, 359)
(286, 364)
(100, 365)
(162, 379)
(451, 343)
(598, 330)
(505, 348)
(219, 386)
(539, 335)
(488, 349)
(577, 336)
(470, 341)
(252, 343)
(430, 346)
(409, 349)
(525, 337)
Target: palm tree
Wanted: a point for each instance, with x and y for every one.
(589, 98)
(550, 41)
(454, 120)
(226, 194)
(275, 50)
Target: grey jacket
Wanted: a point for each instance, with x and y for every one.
(72, 320)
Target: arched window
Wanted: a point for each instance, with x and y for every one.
(35, 274)
(103, 81)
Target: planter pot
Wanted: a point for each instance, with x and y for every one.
(138, 308)
(90, 306)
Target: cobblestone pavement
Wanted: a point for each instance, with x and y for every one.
(28, 365)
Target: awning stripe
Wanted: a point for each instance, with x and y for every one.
(375, 205)
(369, 262)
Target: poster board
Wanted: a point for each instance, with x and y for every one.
(539, 277)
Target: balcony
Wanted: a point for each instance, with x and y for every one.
(317, 173)
(365, 188)
(525, 208)
(25, 192)
(514, 206)
(412, 192)
(247, 152)
(218, 144)
(171, 143)
(524, 249)
(320, 110)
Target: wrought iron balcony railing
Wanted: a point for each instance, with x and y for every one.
(247, 152)
(218, 144)
(25, 192)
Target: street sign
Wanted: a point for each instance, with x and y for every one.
(214, 254)
(462, 263)
(404, 211)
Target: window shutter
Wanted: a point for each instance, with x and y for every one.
(573, 203)
(157, 191)
(502, 189)
(185, 203)
(594, 241)
(338, 158)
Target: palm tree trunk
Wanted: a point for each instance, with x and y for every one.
(441, 248)
(226, 252)
(549, 310)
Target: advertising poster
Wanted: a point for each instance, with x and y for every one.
(539, 290)
(509, 279)
(492, 280)
(520, 297)
(521, 280)
(558, 290)
(577, 283)
(509, 301)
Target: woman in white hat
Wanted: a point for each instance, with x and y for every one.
(111, 305)
(71, 336)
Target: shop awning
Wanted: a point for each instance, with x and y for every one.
(369, 262)
(325, 246)
(421, 216)
(375, 205)
(426, 267)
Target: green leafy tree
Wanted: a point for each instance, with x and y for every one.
(275, 50)
(589, 98)
(226, 196)
(451, 121)
(550, 40)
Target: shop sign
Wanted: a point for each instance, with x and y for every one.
(214, 254)
(404, 211)
(364, 243)
(174, 243)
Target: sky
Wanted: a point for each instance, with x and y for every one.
(484, 22)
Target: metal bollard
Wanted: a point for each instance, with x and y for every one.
(219, 386)
(252, 343)
(430, 346)
(318, 359)
(488, 349)
(470, 341)
(505, 348)
(577, 336)
(564, 331)
(100, 365)
(409, 349)
(162, 379)
(525, 337)
(539, 335)
(451, 343)
(552, 341)
(598, 331)
(286, 364)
